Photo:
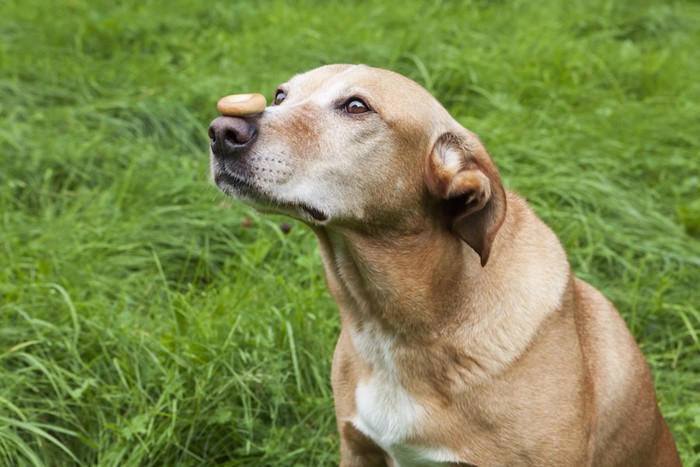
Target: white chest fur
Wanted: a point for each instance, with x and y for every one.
(386, 412)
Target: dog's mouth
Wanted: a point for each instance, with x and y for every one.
(315, 214)
(238, 186)
(235, 185)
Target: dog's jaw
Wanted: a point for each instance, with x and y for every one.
(258, 185)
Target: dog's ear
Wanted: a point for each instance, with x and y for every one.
(462, 175)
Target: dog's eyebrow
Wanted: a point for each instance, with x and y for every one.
(359, 92)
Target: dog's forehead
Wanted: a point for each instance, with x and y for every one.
(336, 80)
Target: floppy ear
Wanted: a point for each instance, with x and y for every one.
(461, 174)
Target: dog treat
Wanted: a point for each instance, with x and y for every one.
(240, 105)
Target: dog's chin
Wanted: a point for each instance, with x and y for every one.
(238, 187)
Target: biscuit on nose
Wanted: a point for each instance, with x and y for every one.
(240, 105)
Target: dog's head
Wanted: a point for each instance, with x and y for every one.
(363, 148)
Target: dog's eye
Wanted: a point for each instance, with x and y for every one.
(279, 97)
(356, 106)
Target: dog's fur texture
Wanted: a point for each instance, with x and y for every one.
(466, 339)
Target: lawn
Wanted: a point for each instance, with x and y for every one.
(146, 319)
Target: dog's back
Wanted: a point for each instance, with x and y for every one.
(628, 426)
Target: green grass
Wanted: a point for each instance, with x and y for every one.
(142, 322)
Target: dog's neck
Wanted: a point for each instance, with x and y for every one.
(429, 287)
(403, 282)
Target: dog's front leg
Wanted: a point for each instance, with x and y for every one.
(357, 450)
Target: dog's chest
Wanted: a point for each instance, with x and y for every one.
(387, 413)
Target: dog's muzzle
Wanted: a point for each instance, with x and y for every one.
(231, 136)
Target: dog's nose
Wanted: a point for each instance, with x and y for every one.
(231, 135)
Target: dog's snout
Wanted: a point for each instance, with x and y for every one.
(231, 135)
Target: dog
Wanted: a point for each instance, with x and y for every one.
(465, 339)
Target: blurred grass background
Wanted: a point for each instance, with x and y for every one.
(144, 321)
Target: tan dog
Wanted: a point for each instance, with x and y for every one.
(466, 339)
